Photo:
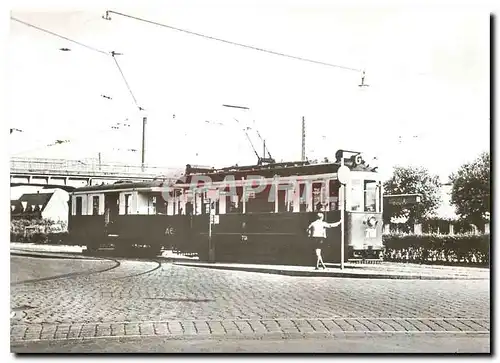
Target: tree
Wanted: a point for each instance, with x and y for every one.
(470, 193)
(411, 180)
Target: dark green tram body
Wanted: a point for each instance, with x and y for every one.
(247, 227)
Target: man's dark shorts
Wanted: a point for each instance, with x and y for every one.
(318, 242)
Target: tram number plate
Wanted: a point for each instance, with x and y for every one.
(371, 233)
(169, 231)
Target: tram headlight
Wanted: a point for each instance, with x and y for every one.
(372, 221)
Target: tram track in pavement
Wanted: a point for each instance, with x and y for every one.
(86, 273)
(68, 275)
(158, 265)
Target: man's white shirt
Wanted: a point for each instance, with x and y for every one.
(318, 228)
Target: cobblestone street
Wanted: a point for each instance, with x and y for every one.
(65, 299)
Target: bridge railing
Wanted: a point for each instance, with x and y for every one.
(86, 167)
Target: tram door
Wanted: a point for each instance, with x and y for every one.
(111, 210)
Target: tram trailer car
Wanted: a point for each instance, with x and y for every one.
(248, 226)
(131, 217)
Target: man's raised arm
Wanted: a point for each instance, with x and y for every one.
(335, 224)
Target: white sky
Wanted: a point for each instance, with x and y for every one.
(428, 71)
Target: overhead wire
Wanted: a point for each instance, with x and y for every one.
(79, 138)
(126, 83)
(234, 43)
(59, 36)
(112, 53)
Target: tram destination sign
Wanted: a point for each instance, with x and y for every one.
(403, 199)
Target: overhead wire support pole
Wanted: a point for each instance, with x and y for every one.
(143, 153)
(342, 219)
(303, 154)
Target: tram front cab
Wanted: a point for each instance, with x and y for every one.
(363, 218)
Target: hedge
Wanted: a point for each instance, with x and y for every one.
(464, 249)
(38, 231)
(62, 238)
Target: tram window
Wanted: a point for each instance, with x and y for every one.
(177, 201)
(95, 205)
(285, 198)
(303, 190)
(198, 203)
(290, 197)
(370, 192)
(282, 202)
(151, 204)
(189, 208)
(260, 202)
(173, 204)
(234, 200)
(319, 196)
(78, 206)
(127, 203)
(356, 195)
(188, 202)
(333, 192)
(161, 206)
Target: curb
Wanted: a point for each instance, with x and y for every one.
(273, 271)
(337, 274)
(83, 256)
(47, 255)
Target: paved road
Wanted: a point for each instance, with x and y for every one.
(110, 300)
(429, 343)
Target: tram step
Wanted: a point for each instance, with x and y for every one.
(366, 261)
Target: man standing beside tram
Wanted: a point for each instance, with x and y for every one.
(317, 232)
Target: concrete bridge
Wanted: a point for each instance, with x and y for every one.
(70, 174)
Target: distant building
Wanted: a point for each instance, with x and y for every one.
(444, 221)
(51, 205)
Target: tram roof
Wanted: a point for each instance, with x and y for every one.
(126, 184)
(281, 169)
(266, 170)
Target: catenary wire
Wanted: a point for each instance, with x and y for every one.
(126, 83)
(60, 36)
(234, 43)
(112, 54)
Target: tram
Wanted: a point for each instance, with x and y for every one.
(256, 213)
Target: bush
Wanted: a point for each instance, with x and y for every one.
(465, 249)
(59, 238)
(38, 237)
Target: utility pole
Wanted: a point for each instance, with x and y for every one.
(303, 139)
(99, 160)
(144, 121)
(264, 152)
(342, 219)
